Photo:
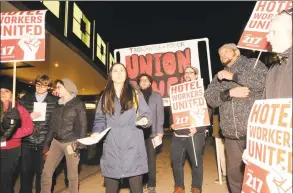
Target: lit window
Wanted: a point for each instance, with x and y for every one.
(111, 60)
(101, 49)
(53, 6)
(81, 26)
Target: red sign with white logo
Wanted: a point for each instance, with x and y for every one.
(256, 30)
(23, 36)
(269, 147)
(189, 108)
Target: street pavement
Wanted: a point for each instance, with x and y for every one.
(91, 179)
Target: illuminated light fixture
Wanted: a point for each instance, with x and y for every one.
(56, 65)
(83, 89)
(90, 106)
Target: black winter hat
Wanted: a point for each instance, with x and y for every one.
(7, 83)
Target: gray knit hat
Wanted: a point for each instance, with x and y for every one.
(70, 86)
(193, 68)
(229, 46)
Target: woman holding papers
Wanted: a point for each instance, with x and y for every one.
(68, 123)
(191, 141)
(11, 134)
(123, 108)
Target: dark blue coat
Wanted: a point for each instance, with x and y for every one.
(124, 152)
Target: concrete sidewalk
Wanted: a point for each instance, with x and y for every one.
(165, 182)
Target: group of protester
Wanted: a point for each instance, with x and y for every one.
(135, 116)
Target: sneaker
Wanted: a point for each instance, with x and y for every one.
(224, 180)
(145, 189)
(151, 190)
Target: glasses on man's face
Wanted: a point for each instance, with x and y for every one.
(41, 85)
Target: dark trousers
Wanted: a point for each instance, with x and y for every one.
(135, 182)
(9, 160)
(179, 147)
(151, 153)
(32, 162)
(235, 165)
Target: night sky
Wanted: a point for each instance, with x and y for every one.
(127, 24)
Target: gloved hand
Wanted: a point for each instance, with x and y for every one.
(8, 128)
(78, 146)
(12, 113)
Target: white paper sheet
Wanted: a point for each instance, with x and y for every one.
(3, 144)
(93, 140)
(156, 141)
(40, 108)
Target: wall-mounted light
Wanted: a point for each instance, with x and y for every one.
(90, 106)
(56, 65)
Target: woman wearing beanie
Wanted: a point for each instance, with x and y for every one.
(68, 123)
(11, 134)
(123, 108)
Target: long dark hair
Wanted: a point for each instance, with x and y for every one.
(127, 94)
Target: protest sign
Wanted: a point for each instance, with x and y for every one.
(269, 146)
(256, 30)
(189, 108)
(23, 36)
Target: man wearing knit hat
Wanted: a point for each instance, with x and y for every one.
(234, 91)
(68, 123)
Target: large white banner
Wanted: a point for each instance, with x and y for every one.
(164, 62)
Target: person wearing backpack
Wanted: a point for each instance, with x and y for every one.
(123, 108)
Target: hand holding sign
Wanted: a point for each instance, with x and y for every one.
(30, 45)
(35, 115)
(192, 131)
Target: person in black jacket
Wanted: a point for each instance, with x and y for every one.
(15, 123)
(68, 123)
(32, 157)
